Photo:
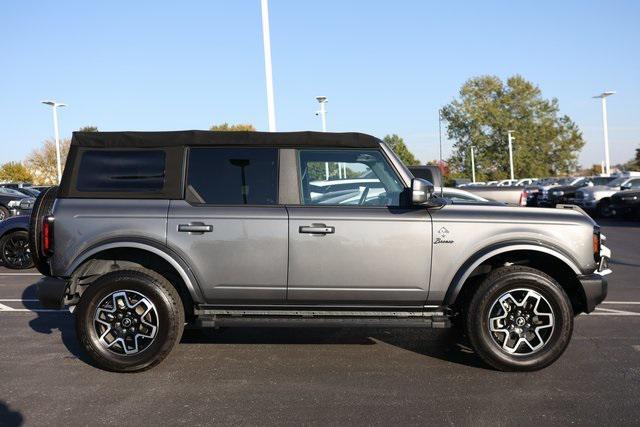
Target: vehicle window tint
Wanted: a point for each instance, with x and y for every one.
(233, 176)
(121, 171)
(348, 177)
(635, 183)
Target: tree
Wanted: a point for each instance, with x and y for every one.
(546, 143)
(42, 161)
(400, 148)
(239, 127)
(15, 172)
(88, 129)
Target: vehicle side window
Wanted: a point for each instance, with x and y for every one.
(233, 176)
(123, 171)
(348, 177)
(635, 183)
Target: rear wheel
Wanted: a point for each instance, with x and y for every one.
(129, 320)
(519, 319)
(14, 250)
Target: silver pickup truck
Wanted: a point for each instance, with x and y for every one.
(152, 231)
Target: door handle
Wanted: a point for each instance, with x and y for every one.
(316, 229)
(195, 228)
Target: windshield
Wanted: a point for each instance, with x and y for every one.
(10, 191)
(617, 182)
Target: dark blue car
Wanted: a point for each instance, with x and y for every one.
(14, 243)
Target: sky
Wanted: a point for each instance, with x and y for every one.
(385, 66)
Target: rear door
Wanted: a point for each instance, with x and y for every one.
(353, 243)
(230, 227)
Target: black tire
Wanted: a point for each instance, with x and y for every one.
(14, 248)
(41, 208)
(169, 317)
(4, 213)
(604, 209)
(515, 279)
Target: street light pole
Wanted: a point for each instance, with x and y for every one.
(54, 106)
(605, 128)
(473, 166)
(511, 139)
(323, 116)
(266, 40)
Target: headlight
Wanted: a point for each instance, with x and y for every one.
(558, 193)
(26, 204)
(14, 203)
(587, 196)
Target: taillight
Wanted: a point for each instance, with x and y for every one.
(523, 198)
(597, 242)
(47, 235)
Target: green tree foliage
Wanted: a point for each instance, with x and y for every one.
(15, 172)
(42, 161)
(400, 148)
(546, 143)
(238, 127)
(88, 129)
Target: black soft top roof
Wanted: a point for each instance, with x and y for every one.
(244, 138)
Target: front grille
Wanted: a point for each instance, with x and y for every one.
(579, 195)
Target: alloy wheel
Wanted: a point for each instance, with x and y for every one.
(126, 322)
(16, 252)
(521, 322)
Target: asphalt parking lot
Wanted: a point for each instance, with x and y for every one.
(324, 376)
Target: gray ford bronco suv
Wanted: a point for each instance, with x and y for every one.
(152, 231)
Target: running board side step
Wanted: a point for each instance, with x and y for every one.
(213, 318)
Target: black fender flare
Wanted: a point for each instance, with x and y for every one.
(479, 257)
(153, 246)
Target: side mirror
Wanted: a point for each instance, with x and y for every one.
(421, 191)
(625, 187)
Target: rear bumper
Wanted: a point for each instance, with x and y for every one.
(51, 292)
(595, 290)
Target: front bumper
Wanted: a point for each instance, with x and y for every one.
(587, 205)
(51, 292)
(595, 290)
(595, 285)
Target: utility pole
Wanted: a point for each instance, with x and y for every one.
(54, 106)
(511, 139)
(473, 166)
(605, 128)
(266, 40)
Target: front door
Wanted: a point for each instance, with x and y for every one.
(350, 241)
(230, 228)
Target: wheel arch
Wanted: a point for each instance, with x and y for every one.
(552, 261)
(146, 254)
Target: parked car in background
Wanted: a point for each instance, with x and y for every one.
(597, 199)
(459, 196)
(507, 182)
(526, 181)
(511, 195)
(626, 204)
(429, 172)
(14, 243)
(9, 201)
(565, 194)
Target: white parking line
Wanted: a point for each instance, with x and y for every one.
(6, 308)
(622, 302)
(611, 312)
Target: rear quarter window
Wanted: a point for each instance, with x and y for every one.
(121, 171)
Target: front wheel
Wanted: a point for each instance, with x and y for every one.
(519, 319)
(604, 209)
(129, 320)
